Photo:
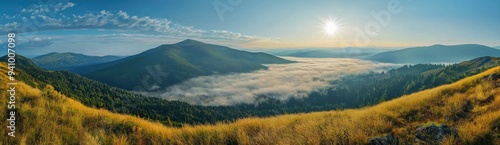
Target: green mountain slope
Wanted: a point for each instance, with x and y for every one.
(170, 64)
(436, 53)
(65, 61)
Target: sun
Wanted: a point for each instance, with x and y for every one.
(330, 27)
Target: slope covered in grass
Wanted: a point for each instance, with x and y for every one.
(471, 105)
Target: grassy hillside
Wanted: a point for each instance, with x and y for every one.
(471, 106)
(436, 53)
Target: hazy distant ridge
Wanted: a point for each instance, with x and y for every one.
(64, 61)
(436, 53)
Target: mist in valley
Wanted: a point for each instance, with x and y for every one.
(279, 81)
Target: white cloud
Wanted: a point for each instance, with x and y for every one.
(50, 17)
(280, 81)
(105, 43)
(32, 42)
(43, 9)
(60, 6)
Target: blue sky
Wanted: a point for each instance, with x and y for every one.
(127, 27)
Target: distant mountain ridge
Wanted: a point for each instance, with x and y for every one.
(347, 52)
(173, 63)
(436, 53)
(67, 60)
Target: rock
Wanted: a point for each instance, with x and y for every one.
(494, 76)
(388, 139)
(433, 134)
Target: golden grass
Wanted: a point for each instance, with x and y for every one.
(48, 117)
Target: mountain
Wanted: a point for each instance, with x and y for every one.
(65, 61)
(173, 63)
(436, 54)
(464, 112)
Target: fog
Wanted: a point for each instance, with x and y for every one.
(279, 81)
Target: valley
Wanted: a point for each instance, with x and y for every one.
(398, 118)
(311, 90)
(234, 72)
(352, 87)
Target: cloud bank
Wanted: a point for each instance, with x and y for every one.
(280, 81)
(52, 17)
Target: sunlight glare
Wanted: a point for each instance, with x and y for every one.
(330, 27)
